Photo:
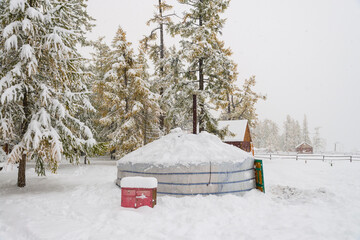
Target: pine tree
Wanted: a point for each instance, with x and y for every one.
(241, 104)
(318, 142)
(148, 100)
(175, 101)
(127, 98)
(154, 45)
(99, 66)
(296, 133)
(305, 131)
(266, 135)
(291, 135)
(272, 140)
(210, 72)
(41, 86)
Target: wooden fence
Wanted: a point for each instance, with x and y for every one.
(309, 157)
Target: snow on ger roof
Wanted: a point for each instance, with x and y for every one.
(183, 148)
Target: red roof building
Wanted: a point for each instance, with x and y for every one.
(304, 148)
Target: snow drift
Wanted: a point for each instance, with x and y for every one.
(188, 164)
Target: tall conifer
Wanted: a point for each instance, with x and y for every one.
(154, 45)
(241, 104)
(127, 98)
(210, 72)
(42, 85)
(99, 66)
(305, 131)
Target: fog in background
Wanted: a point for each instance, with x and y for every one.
(305, 55)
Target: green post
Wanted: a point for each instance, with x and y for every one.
(259, 175)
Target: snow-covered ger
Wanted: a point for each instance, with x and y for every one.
(189, 164)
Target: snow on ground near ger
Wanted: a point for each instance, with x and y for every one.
(303, 201)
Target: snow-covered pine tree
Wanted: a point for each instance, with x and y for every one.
(99, 66)
(41, 83)
(127, 98)
(257, 135)
(318, 142)
(286, 136)
(150, 109)
(296, 133)
(305, 131)
(241, 104)
(266, 135)
(291, 135)
(177, 106)
(154, 45)
(210, 72)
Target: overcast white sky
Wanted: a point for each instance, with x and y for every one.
(305, 55)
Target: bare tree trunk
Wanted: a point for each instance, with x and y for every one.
(21, 173)
(229, 106)
(162, 117)
(22, 162)
(161, 35)
(126, 99)
(6, 148)
(145, 124)
(194, 115)
(201, 85)
(201, 103)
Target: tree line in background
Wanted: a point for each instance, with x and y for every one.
(55, 103)
(268, 136)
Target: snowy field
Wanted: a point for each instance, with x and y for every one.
(302, 201)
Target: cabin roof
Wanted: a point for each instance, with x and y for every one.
(303, 143)
(238, 127)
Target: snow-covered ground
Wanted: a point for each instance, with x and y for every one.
(302, 201)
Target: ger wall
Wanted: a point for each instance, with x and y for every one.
(205, 179)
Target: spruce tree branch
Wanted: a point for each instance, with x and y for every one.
(170, 15)
(241, 114)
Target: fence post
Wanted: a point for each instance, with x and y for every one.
(296, 157)
(350, 158)
(323, 158)
(270, 156)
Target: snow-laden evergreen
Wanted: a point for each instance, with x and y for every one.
(132, 108)
(305, 131)
(291, 136)
(241, 104)
(266, 136)
(42, 85)
(99, 66)
(149, 116)
(209, 70)
(166, 64)
(318, 142)
(175, 101)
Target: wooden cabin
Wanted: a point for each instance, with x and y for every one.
(242, 138)
(304, 148)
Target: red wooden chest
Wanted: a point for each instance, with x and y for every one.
(138, 191)
(138, 197)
